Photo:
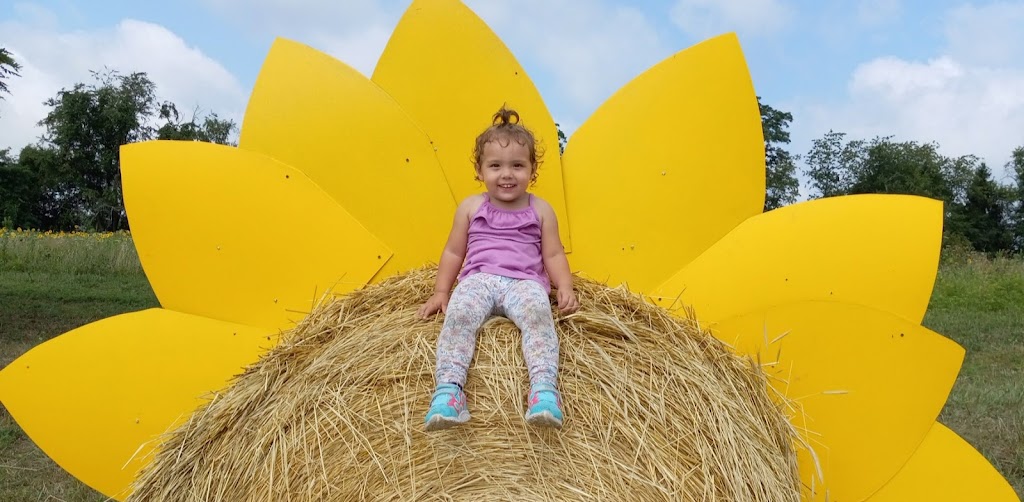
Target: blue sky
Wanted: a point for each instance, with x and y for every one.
(944, 71)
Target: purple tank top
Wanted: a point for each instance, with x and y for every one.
(506, 243)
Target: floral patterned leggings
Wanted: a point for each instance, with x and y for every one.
(474, 300)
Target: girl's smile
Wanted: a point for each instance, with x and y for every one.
(506, 171)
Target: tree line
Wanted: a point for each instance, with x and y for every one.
(979, 211)
(70, 178)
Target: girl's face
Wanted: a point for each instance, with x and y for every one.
(506, 172)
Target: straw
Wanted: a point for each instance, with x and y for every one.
(655, 409)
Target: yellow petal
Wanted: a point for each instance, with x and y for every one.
(450, 72)
(96, 398)
(236, 236)
(665, 167)
(325, 119)
(866, 386)
(946, 468)
(876, 250)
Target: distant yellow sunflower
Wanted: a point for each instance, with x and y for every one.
(339, 181)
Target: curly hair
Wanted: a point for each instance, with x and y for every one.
(505, 128)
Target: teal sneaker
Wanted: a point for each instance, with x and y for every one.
(447, 408)
(545, 406)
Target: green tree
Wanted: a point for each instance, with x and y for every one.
(881, 165)
(8, 68)
(72, 178)
(86, 127)
(976, 208)
(562, 139)
(27, 200)
(832, 165)
(781, 185)
(1016, 166)
(983, 218)
(19, 194)
(912, 168)
(211, 128)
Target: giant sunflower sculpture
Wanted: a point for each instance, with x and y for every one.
(341, 181)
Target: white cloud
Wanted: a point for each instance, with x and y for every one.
(352, 31)
(990, 35)
(896, 80)
(360, 49)
(969, 98)
(705, 18)
(23, 108)
(965, 109)
(53, 59)
(577, 54)
(314, 15)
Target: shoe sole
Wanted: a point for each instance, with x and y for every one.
(441, 422)
(544, 419)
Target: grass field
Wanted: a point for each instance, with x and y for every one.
(52, 283)
(980, 304)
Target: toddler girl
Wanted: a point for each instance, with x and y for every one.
(505, 242)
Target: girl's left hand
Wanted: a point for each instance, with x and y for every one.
(567, 302)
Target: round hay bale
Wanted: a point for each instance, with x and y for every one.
(655, 409)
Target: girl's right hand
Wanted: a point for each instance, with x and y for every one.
(438, 302)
